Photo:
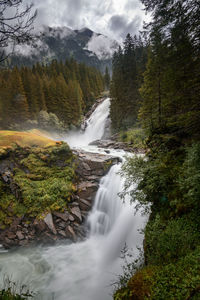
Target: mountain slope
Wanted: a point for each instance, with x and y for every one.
(61, 42)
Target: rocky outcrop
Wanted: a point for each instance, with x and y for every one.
(113, 144)
(55, 225)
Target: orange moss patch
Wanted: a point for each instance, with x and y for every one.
(140, 284)
(25, 139)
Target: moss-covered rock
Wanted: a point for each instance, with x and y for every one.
(35, 180)
(34, 183)
(46, 192)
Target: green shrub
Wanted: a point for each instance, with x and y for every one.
(135, 136)
(174, 281)
(178, 281)
(168, 241)
(189, 182)
(169, 179)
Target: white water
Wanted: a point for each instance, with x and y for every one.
(95, 127)
(83, 271)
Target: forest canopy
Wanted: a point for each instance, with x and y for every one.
(54, 93)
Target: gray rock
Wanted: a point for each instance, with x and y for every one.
(87, 189)
(62, 232)
(39, 225)
(70, 232)
(49, 222)
(84, 214)
(93, 164)
(107, 151)
(86, 166)
(74, 204)
(84, 204)
(62, 225)
(71, 218)
(7, 243)
(93, 178)
(20, 235)
(76, 213)
(11, 235)
(23, 243)
(63, 216)
(6, 176)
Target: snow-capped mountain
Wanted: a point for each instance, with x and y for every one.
(60, 43)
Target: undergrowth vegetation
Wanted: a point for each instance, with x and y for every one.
(134, 136)
(169, 180)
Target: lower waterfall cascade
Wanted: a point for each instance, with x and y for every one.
(86, 269)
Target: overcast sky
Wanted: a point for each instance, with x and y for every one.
(114, 18)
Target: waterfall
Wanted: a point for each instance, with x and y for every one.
(107, 205)
(95, 127)
(83, 270)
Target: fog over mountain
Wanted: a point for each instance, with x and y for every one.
(60, 43)
(112, 18)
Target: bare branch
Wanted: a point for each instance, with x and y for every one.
(16, 25)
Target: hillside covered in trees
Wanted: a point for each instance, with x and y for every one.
(128, 66)
(165, 104)
(54, 95)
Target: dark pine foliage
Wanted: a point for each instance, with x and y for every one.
(128, 66)
(65, 89)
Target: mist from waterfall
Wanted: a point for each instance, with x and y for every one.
(95, 127)
(83, 270)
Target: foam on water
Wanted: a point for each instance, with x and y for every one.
(83, 270)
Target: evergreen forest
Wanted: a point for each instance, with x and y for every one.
(50, 96)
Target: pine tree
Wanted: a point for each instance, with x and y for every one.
(125, 85)
(107, 79)
(30, 88)
(18, 111)
(40, 93)
(75, 99)
(172, 83)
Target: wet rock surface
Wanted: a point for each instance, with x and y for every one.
(113, 144)
(58, 225)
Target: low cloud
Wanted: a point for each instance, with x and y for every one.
(113, 18)
(121, 26)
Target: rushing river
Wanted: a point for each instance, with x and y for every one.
(83, 270)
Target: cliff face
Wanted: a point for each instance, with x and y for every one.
(46, 193)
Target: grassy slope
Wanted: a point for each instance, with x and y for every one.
(24, 139)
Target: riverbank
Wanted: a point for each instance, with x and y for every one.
(46, 192)
(67, 270)
(169, 181)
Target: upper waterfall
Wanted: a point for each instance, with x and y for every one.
(84, 270)
(95, 127)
